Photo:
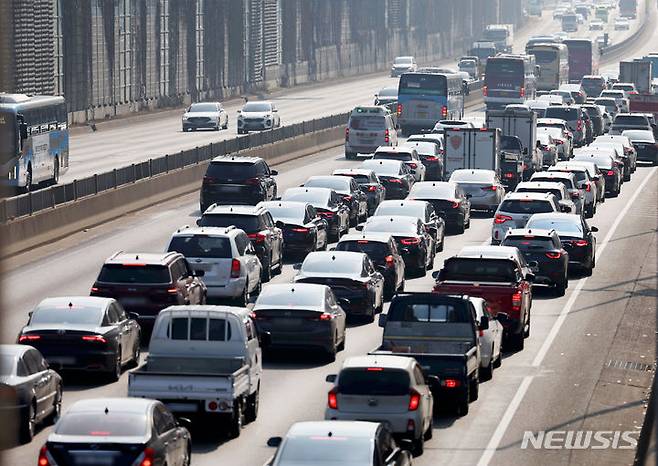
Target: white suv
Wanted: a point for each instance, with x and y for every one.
(227, 258)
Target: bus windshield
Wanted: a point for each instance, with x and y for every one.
(423, 84)
(545, 57)
(504, 73)
(8, 137)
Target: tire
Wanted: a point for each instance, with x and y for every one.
(463, 404)
(330, 353)
(459, 229)
(115, 373)
(561, 288)
(225, 126)
(28, 424)
(237, 419)
(487, 372)
(441, 245)
(341, 345)
(474, 388)
(266, 274)
(137, 351)
(253, 401)
(244, 299)
(516, 341)
(499, 360)
(402, 285)
(418, 446)
(429, 433)
(57, 407)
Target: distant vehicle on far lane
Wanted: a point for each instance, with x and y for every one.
(403, 65)
(258, 116)
(205, 115)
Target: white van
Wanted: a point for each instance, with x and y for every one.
(367, 129)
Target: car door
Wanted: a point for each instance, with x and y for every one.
(277, 238)
(320, 225)
(42, 381)
(340, 317)
(113, 331)
(254, 352)
(420, 167)
(167, 440)
(127, 331)
(376, 279)
(427, 401)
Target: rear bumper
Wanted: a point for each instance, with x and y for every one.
(81, 360)
(354, 149)
(318, 337)
(397, 422)
(232, 289)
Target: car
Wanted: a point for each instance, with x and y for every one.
(431, 154)
(545, 248)
(231, 269)
(629, 88)
(349, 191)
(574, 118)
(553, 99)
(368, 128)
(414, 242)
(516, 209)
(569, 180)
(561, 134)
(593, 84)
(491, 338)
(386, 96)
(304, 230)
(484, 187)
(589, 126)
(368, 182)
(596, 25)
(258, 224)
(645, 145)
(301, 315)
(625, 151)
(586, 185)
(205, 115)
(394, 175)
(596, 175)
(138, 431)
(237, 180)
(621, 98)
(449, 201)
(596, 116)
(402, 396)
(434, 224)
(548, 148)
(622, 24)
(538, 106)
(258, 116)
(351, 275)
(626, 121)
(610, 103)
(470, 66)
(567, 97)
(403, 65)
(442, 125)
(576, 237)
(576, 91)
(328, 204)
(383, 251)
(604, 159)
(146, 283)
(606, 117)
(338, 443)
(83, 333)
(557, 189)
(406, 154)
(553, 138)
(32, 391)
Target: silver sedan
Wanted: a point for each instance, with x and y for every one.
(483, 187)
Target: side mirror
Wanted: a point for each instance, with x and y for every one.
(593, 229)
(360, 226)
(274, 172)
(343, 302)
(198, 273)
(198, 222)
(279, 224)
(274, 442)
(382, 320)
(502, 317)
(565, 208)
(331, 378)
(275, 110)
(185, 422)
(297, 266)
(131, 315)
(436, 275)
(484, 323)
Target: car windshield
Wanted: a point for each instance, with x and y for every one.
(7, 364)
(202, 107)
(199, 246)
(562, 226)
(526, 206)
(562, 113)
(65, 314)
(376, 250)
(473, 176)
(112, 424)
(338, 184)
(230, 171)
(385, 225)
(317, 198)
(368, 122)
(510, 143)
(288, 213)
(578, 174)
(639, 135)
(334, 450)
(326, 264)
(403, 61)
(631, 120)
(407, 311)
(401, 156)
(528, 243)
(482, 270)
(146, 274)
(290, 295)
(247, 223)
(359, 178)
(365, 381)
(257, 107)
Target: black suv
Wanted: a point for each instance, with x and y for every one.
(258, 224)
(237, 180)
(146, 283)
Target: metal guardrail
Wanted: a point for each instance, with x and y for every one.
(53, 196)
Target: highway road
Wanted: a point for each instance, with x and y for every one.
(561, 381)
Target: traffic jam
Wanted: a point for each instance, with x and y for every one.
(193, 321)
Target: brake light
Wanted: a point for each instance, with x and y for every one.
(410, 241)
(389, 261)
(235, 268)
(412, 165)
(24, 338)
(444, 111)
(414, 400)
(94, 339)
(485, 91)
(490, 188)
(558, 142)
(94, 289)
(580, 243)
(326, 316)
(372, 188)
(347, 198)
(252, 181)
(516, 301)
(400, 109)
(326, 214)
(332, 399)
(431, 158)
(258, 237)
(579, 125)
(149, 457)
(553, 255)
(450, 383)
(172, 291)
(43, 457)
(498, 219)
(588, 187)
(300, 230)
(347, 134)
(522, 94)
(209, 179)
(509, 175)
(375, 369)
(387, 136)
(455, 204)
(395, 180)
(611, 173)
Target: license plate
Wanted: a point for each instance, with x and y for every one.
(94, 458)
(63, 360)
(133, 301)
(230, 189)
(183, 407)
(422, 114)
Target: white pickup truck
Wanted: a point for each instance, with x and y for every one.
(203, 361)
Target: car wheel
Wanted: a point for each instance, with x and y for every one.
(487, 372)
(253, 401)
(57, 407)
(418, 446)
(474, 387)
(225, 126)
(561, 288)
(459, 229)
(463, 404)
(266, 274)
(499, 360)
(516, 341)
(245, 297)
(237, 419)
(330, 352)
(137, 351)
(28, 424)
(341, 345)
(258, 289)
(439, 248)
(115, 373)
(402, 285)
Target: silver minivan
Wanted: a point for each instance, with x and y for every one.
(367, 129)
(227, 258)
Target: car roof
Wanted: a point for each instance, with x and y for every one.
(427, 187)
(234, 209)
(393, 219)
(402, 149)
(235, 159)
(340, 428)
(204, 310)
(530, 232)
(377, 237)
(307, 189)
(100, 405)
(268, 204)
(132, 258)
(550, 174)
(382, 162)
(558, 215)
(488, 252)
(535, 196)
(206, 231)
(383, 361)
(74, 301)
(403, 202)
(540, 185)
(551, 121)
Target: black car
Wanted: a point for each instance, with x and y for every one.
(431, 154)
(594, 113)
(30, 390)
(611, 169)
(383, 251)
(645, 145)
(394, 175)
(433, 223)
(368, 183)
(352, 277)
(329, 205)
(304, 230)
(84, 333)
(118, 431)
(449, 201)
(576, 237)
(545, 248)
(348, 189)
(237, 180)
(259, 225)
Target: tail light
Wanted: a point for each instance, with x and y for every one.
(400, 109)
(485, 91)
(410, 241)
(347, 198)
(553, 255)
(431, 158)
(522, 93)
(258, 237)
(149, 457)
(414, 400)
(372, 188)
(579, 125)
(94, 289)
(235, 268)
(300, 230)
(450, 383)
(172, 291)
(559, 142)
(389, 261)
(332, 399)
(588, 187)
(516, 301)
(611, 173)
(252, 181)
(24, 338)
(444, 111)
(387, 136)
(326, 214)
(490, 188)
(498, 219)
(575, 195)
(454, 204)
(412, 165)
(94, 339)
(43, 457)
(580, 243)
(325, 316)
(509, 175)
(209, 180)
(347, 134)
(395, 180)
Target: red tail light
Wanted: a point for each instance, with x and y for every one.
(414, 400)
(252, 181)
(412, 165)
(149, 457)
(444, 111)
(579, 125)
(173, 291)
(553, 255)
(347, 134)
(347, 198)
(389, 261)
(450, 383)
(580, 243)
(387, 136)
(522, 93)
(611, 173)
(372, 188)
(455, 204)
(395, 180)
(332, 399)
(431, 158)
(485, 91)
(410, 241)
(326, 214)
(498, 219)
(516, 301)
(94, 339)
(490, 188)
(558, 142)
(509, 175)
(300, 230)
(235, 268)
(43, 457)
(94, 289)
(258, 237)
(24, 338)
(400, 109)
(209, 179)
(588, 187)
(326, 316)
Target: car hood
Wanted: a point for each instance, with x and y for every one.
(200, 114)
(256, 114)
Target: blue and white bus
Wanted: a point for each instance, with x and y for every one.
(425, 98)
(34, 137)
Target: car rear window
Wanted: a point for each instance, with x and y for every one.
(146, 274)
(324, 449)
(360, 179)
(562, 113)
(118, 424)
(80, 315)
(198, 329)
(529, 243)
(374, 249)
(426, 312)
(231, 170)
(368, 123)
(510, 143)
(373, 381)
(201, 246)
(526, 206)
(565, 181)
(403, 157)
(631, 120)
(487, 270)
(248, 223)
(555, 192)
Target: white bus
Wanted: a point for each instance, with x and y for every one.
(553, 62)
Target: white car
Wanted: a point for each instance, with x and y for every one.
(596, 25)
(405, 154)
(205, 115)
(622, 24)
(491, 339)
(258, 116)
(403, 65)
